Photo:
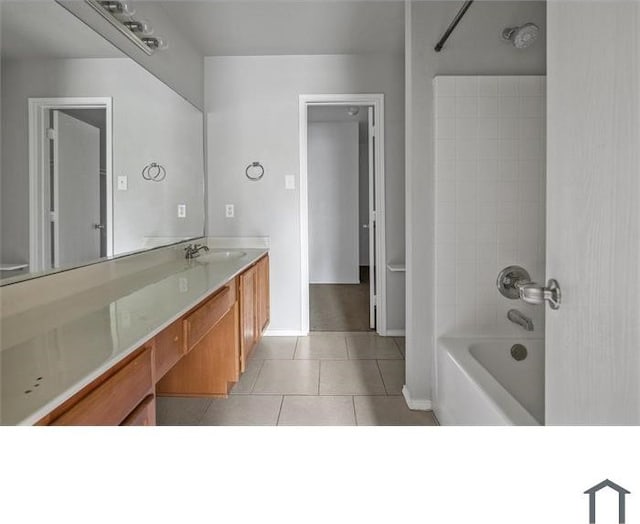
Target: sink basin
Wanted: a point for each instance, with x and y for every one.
(221, 255)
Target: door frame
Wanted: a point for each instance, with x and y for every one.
(39, 169)
(377, 102)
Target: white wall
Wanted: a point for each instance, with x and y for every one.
(252, 114)
(475, 48)
(151, 123)
(490, 199)
(333, 202)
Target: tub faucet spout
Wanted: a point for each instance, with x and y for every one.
(518, 318)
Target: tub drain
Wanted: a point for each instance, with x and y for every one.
(518, 352)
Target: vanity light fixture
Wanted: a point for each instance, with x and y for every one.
(154, 43)
(119, 13)
(118, 6)
(138, 26)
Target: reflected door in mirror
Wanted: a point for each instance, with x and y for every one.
(76, 182)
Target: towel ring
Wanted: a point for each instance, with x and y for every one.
(154, 172)
(257, 170)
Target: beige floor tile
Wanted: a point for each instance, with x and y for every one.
(392, 375)
(372, 347)
(317, 411)
(275, 348)
(288, 377)
(389, 411)
(244, 386)
(400, 341)
(243, 410)
(350, 377)
(332, 347)
(177, 411)
(342, 333)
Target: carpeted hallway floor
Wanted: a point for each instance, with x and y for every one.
(340, 307)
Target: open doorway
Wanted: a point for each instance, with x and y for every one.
(338, 187)
(70, 178)
(342, 210)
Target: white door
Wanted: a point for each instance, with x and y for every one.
(76, 191)
(372, 221)
(593, 224)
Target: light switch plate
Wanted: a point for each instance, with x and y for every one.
(289, 182)
(122, 183)
(182, 210)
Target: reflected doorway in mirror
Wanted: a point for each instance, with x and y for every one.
(70, 180)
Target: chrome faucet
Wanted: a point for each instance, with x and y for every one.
(518, 318)
(193, 250)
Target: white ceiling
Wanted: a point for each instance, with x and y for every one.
(309, 27)
(44, 29)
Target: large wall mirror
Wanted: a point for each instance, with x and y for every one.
(98, 157)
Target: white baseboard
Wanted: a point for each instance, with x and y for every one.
(283, 333)
(395, 332)
(414, 403)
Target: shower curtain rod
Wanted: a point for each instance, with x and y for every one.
(453, 25)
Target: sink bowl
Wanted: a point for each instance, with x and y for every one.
(221, 255)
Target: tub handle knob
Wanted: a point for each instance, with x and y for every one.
(533, 293)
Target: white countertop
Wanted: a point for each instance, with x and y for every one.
(51, 352)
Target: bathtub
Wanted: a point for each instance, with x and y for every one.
(479, 382)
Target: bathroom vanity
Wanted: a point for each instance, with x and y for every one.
(187, 333)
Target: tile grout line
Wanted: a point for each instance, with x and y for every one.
(280, 411)
(253, 386)
(346, 343)
(204, 412)
(353, 403)
(295, 349)
(384, 384)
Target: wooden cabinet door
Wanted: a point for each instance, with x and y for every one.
(144, 414)
(169, 348)
(112, 399)
(262, 294)
(248, 315)
(211, 367)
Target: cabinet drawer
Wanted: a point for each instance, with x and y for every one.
(144, 414)
(113, 400)
(169, 348)
(198, 323)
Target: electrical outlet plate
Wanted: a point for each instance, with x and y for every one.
(289, 182)
(229, 211)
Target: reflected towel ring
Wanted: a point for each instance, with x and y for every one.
(154, 172)
(257, 171)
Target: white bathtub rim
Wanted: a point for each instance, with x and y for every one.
(485, 335)
(509, 408)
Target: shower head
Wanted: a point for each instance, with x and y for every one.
(522, 36)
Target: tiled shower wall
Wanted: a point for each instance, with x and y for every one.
(490, 198)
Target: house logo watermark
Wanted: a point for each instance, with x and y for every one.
(593, 491)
